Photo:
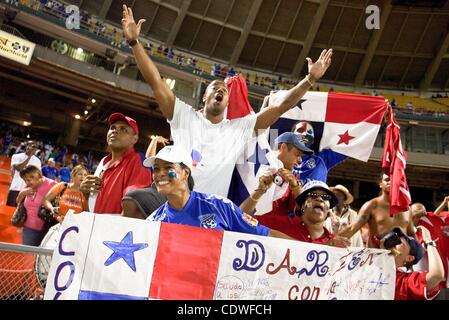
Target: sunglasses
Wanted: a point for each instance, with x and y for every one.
(325, 197)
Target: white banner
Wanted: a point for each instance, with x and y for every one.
(15, 48)
(111, 257)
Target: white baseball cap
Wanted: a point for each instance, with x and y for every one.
(173, 154)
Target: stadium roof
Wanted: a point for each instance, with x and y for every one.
(411, 48)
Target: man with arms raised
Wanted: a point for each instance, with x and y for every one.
(217, 142)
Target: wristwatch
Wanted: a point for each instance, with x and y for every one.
(133, 42)
(430, 243)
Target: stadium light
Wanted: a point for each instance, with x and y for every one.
(26, 123)
(77, 117)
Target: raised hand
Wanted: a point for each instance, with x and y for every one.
(317, 69)
(131, 30)
(339, 241)
(162, 140)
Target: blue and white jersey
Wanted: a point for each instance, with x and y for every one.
(317, 166)
(210, 212)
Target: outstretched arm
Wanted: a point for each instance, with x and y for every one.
(163, 94)
(442, 206)
(267, 116)
(151, 151)
(362, 218)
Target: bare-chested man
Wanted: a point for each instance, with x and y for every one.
(376, 213)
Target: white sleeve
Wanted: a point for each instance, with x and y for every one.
(15, 160)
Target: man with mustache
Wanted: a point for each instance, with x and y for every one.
(118, 171)
(214, 141)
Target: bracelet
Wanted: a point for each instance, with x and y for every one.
(251, 197)
(310, 82)
(133, 42)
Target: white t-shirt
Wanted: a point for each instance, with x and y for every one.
(215, 147)
(17, 183)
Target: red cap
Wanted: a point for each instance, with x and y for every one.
(130, 121)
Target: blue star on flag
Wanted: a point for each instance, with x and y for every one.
(258, 158)
(124, 250)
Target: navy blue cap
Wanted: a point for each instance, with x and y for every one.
(294, 139)
(416, 249)
(316, 185)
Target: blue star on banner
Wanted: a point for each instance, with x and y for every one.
(258, 158)
(124, 250)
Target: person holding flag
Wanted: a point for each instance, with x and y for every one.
(215, 141)
(290, 151)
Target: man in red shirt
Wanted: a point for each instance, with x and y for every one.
(307, 224)
(119, 170)
(437, 228)
(415, 285)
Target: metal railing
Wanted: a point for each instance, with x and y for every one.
(23, 271)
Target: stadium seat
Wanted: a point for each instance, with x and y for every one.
(8, 233)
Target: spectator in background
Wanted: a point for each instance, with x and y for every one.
(75, 159)
(342, 214)
(7, 139)
(170, 55)
(65, 172)
(19, 162)
(36, 188)
(61, 152)
(394, 104)
(69, 194)
(50, 171)
(376, 212)
(119, 170)
(410, 106)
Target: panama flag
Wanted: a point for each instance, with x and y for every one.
(104, 257)
(345, 125)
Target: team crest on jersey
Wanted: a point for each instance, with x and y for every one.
(311, 163)
(250, 220)
(208, 221)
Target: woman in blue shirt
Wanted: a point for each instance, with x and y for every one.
(172, 177)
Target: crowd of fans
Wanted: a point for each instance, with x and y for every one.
(188, 182)
(199, 66)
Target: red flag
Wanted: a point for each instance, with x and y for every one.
(238, 106)
(393, 164)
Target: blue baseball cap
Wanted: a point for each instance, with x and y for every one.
(294, 139)
(416, 249)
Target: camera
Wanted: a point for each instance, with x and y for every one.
(278, 180)
(392, 239)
